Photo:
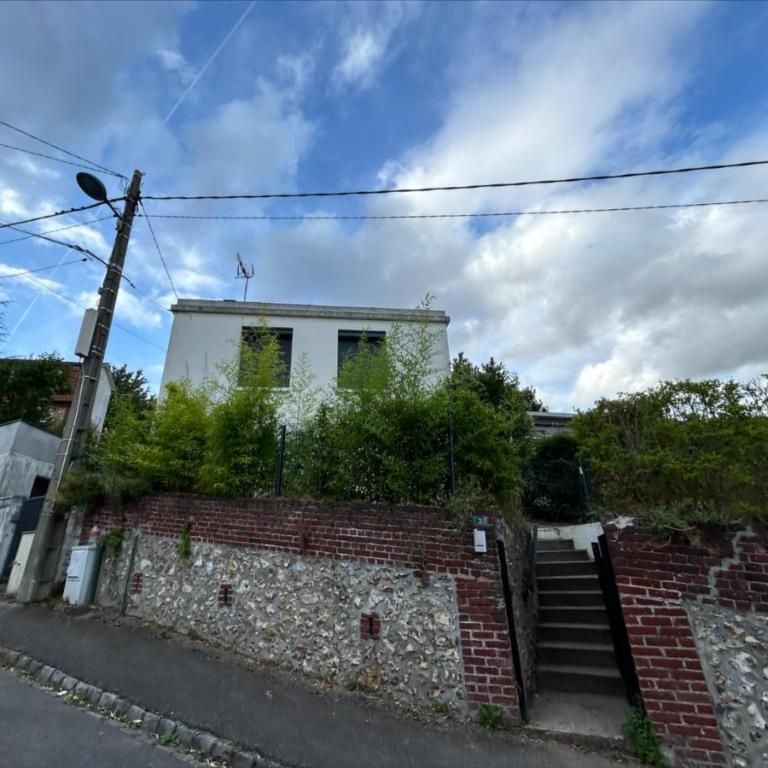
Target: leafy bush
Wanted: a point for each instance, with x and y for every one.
(393, 432)
(641, 737)
(682, 451)
(490, 716)
(554, 489)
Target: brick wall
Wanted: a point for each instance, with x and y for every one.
(657, 578)
(419, 538)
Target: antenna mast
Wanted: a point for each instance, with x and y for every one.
(244, 273)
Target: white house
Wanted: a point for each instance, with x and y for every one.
(206, 334)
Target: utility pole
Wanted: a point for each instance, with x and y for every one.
(40, 571)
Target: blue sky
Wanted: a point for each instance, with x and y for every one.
(306, 96)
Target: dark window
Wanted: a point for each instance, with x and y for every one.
(39, 487)
(253, 336)
(349, 343)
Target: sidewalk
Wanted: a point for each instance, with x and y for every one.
(258, 709)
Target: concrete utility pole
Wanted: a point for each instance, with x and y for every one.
(39, 574)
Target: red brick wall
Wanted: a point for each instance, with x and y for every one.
(422, 538)
(655, 577)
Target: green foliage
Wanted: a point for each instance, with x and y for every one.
(172, 456)
(386, 433)
(242, 425)
(641, 738)
(27, 387)
(681, 452)
(439, 707)
(185, 542)
(131, 388)
(490, 716)
(553, 485)
(169, 740)
(112, 541)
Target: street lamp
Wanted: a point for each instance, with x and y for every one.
(95, 189)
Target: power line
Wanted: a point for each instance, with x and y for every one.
(52, 231)
(453, 188)
(42, 269)
(50, 157)
(82, 306)
(91, 254)
(615, 209)
(57, 213)
(61, 149)
(159, 251)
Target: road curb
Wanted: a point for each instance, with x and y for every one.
(188, 738)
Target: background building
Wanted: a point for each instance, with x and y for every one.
(206, 334)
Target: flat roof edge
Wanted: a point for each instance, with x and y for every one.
(266, 309)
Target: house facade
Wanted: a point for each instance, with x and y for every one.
(207, 334)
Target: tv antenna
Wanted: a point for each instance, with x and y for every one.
(243, 273)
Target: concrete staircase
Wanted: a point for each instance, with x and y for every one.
(575, 648)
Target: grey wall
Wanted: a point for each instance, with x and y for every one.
(25, 452)
(9, 509)
(304, 613)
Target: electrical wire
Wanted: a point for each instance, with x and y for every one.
(42, 269)
(615, 209)
(91, 254)
(47, 157)
(457, 187)
(61, 149)
(52, 231)
(159, 251)
(13, 224)
(82, 306)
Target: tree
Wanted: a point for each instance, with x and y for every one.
(494, 384)
(133, 389)
(28, 385)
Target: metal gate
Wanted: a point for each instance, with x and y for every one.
(29, 514)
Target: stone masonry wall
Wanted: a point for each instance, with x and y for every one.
(668, 587)
(391, 598)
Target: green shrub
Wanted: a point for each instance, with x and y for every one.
(554, 488)
(490, 716)
(681, 452)
(641, 737)
(113, 541)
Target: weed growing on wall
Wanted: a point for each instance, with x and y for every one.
(641, 738)
(112, 541)
(490, 716)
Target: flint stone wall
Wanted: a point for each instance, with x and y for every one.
(303, 613)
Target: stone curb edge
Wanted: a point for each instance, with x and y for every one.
(193, 740)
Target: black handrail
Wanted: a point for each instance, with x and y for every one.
(516, 663)
(619, 634)
(529, 576)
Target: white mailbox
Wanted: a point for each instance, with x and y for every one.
(82, 573)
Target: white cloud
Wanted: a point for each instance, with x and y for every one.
(173, 61)
(364, 50)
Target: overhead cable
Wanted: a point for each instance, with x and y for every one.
(52, 231)
(159, 251)
(82, 306)
(42, 269)
(458, 187)
(13, 224)
(61, 149)
(311, 217)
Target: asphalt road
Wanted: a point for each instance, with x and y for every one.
(40, 730)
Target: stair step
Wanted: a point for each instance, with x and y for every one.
(567, 568)
(548, 544)
(564, 677)
(573, 614)
(575, 597)
(558, 555)
(577, 654)
(582, 583)
(561, 632)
